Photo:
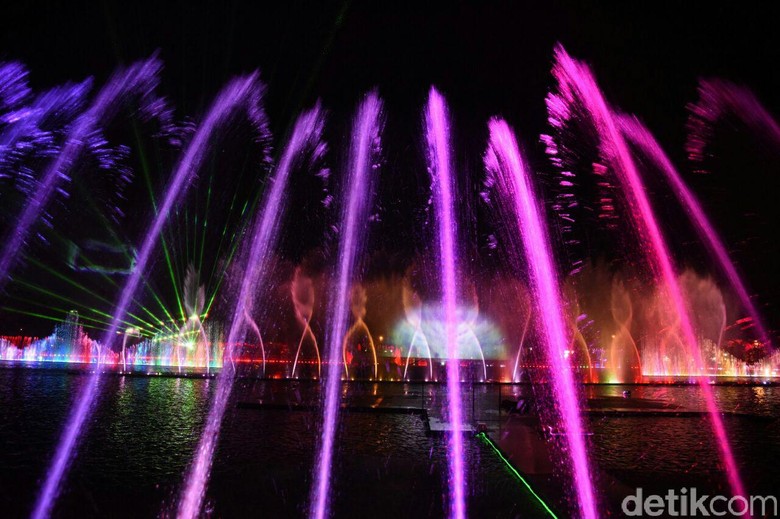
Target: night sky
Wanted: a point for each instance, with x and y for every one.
(489, 58)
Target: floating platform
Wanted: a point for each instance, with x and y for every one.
(439, 426)
(433, 425)
(632, 406)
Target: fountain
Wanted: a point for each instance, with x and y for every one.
(357, 193)
(624, 357)
(634, 318)
(140, 80)
(241, 93)
(302, 293)
(577, 84)
(520, 209)
(639, 136)
(306, 136)
(413, 314)
(520, 346)
(194, 304)
(129, 332)
(357, 305)
(442, 182)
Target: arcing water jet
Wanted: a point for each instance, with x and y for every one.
(578, 84)
(306, 135)
(641, 137)
(244, 93)
(718, 98)
(302, 294)
(140, 79)
(30, 129)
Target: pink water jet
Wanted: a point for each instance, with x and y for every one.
(240, 93)
(641, 137)
(356, 202)
(577, 83)
(717, 98)
(511, 179)
(437, 132)
(264, 236)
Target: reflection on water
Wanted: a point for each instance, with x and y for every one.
(144, 431)
(670, 452)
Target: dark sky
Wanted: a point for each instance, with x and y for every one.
(487, 57)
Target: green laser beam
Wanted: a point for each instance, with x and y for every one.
(485, 438)
(82, 288)
(55, 319)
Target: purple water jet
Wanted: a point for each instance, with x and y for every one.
(241, 93)
(640, 136)
(140, 79)
(577, 83)
(357, 194)
(263, 238)
(511, 179)
(437, 132)
(14, 89)
(31, 127)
